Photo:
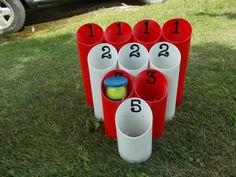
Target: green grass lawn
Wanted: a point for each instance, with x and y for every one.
(46, 129)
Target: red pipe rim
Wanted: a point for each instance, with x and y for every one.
(117, 43)
(84, 26)
(166, 88)
(170, 21)
(155, 40)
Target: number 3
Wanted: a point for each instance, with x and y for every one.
(135, 107)
(152, 79)
(119, 74)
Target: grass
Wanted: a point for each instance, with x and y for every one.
(46, 129)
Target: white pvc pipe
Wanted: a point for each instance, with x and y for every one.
(133, 58)
(165, 57)
(134, 130)
(101, 59)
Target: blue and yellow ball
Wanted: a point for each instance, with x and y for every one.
(116, 87)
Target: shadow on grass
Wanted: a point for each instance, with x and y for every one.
(210, 83)
(47, 124)
(231, 16)
(211, 64)
(65, 10)
(43, 18)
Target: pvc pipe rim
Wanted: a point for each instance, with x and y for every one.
(166, 69)
(93, 44)
(148, 101)
(176, 42)
(117, 43)
(146, 131)
(154, 41)
(146, 58)
(108, 68)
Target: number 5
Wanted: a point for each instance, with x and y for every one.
(135, 107)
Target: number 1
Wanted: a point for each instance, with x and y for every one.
(91, 30)
(119, 28)
(146, 30)
(176, 27)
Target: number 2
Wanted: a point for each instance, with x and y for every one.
(135, 52)
(164, 52)
(106, 54)
(135, 107)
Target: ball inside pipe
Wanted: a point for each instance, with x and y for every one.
(116, 87)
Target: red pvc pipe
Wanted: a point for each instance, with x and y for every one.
(110, 107)
(152, 86)
(118, 34)
(147, 32)
(178, 32)
(87, 36)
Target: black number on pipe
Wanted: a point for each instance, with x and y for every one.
(106, 53)
(91, 30)
(164, 52)
(135, 52)
(146, 29)
(119, 74)
(119, 28)
(135, 105)
(152, 78)
(176, 27)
